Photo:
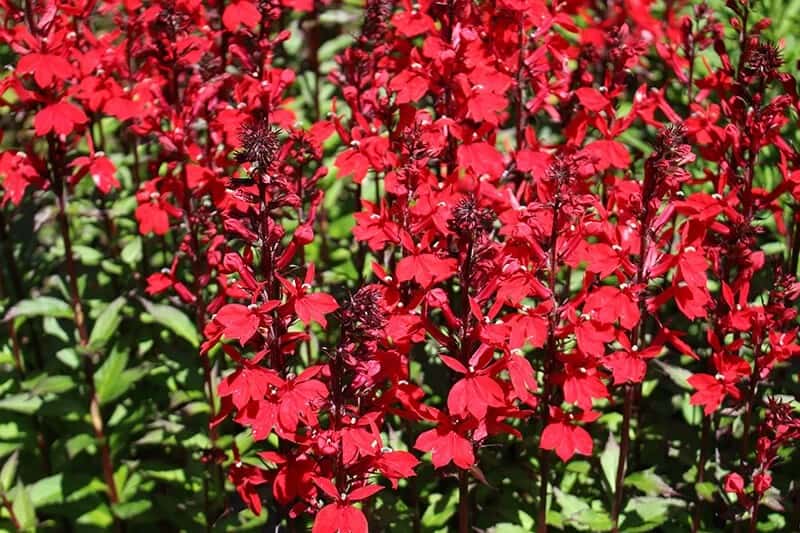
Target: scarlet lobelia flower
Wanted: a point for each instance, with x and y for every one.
(508, 231)
(563, 434)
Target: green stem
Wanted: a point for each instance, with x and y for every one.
(623, 455)
(95, 414)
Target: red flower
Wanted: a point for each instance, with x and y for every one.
(294, 479)
(629, 364)
(241, 12)
(341, 516)
(411, 84)
(734, 483)
(711, 390)
(396, 465)
(246, 479)
(299, 398)
(247, 384)
(154, 211)
(310, 307)
(18, 174)
(426, 268)
(482, 158)
(61, 118)
(447, 443)
(608, 305)
(581, 380)
(565, 437)
(475, 392)
(607, 154)
(592, 99)
(101, 170)
(239, 321)
(46, 68)
(523, 379)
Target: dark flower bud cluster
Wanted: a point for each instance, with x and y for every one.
(664, 169)
(260, 144)
(363, 316)
(171, 22)
(376, 16)
(763, 59)
(470, 222)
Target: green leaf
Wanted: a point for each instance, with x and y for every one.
(505, 527)
(51, 326)
(107, 379)
(774, 248)
(609, 460)
(569, 504)
(705, 491)
(106, 324)
(650, 483)
(132, 252)
(677, 374)
(341, 227)
(9, 472)
(164, 473)
(86, 255)
(594, 520)
(112, 267)
(21, 403)
(129, 377)
(41, 306)
(23, 507)
(775, 522)
(578, 514)
(526, 523)
(69, 356)
(439, 510)
(79, 443)
(332, 17)
(52, 385)
(99, 517)
(693, 414)
(648, 387)
(335, 45)
(174, 319)
(121, 477)
(47, 491)
(653, 510)
(525, 519)
(129, 510)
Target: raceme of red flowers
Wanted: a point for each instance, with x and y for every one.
(435, 265)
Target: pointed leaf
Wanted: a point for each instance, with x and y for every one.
(609, 460)
(173, 319)
(107, 380)
(106, 324)
(21, 403)
(678, 375)
(23, 507)
(9, 472)
(650, 483)
(52, 385)
(47, 491)
(41, 306)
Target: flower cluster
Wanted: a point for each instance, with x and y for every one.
(430, 232)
